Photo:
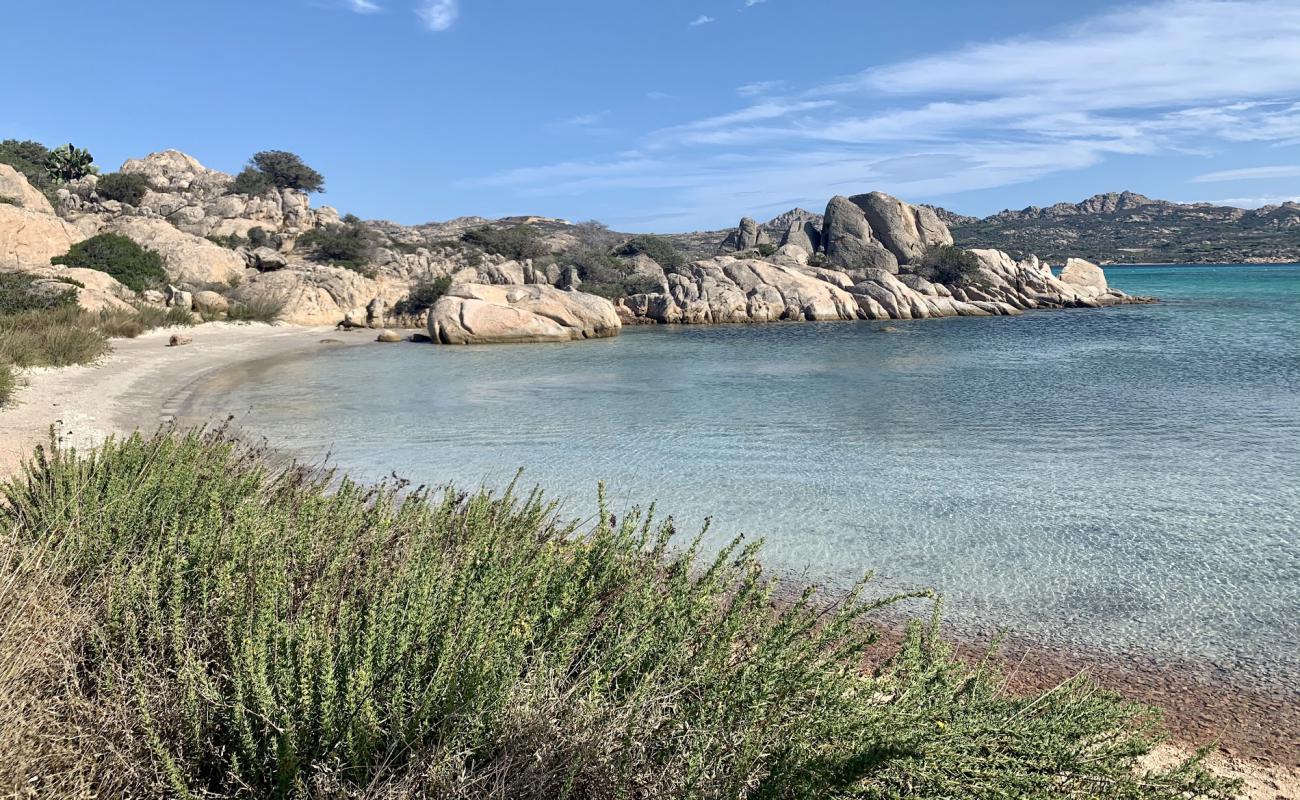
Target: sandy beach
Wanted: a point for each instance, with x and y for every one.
(137, 386)
(144, 383)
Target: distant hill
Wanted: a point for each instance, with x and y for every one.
(1125, 227)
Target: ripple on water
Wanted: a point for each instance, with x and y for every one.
(1124, 478)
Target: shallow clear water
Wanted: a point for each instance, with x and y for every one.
(1127, 478)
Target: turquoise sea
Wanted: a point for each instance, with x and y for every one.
(1126, 478)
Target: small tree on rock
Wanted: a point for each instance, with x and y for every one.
(287, 170)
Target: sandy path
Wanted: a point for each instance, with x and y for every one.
(135, 385)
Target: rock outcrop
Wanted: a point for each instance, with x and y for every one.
(847, 241)
(906, 231)
(482, 314)
(187, 258)
(725, 289)
(803, 234)
(30, 233)
(29, 239)
(1085, 277)
(315, 294)
(747, 236)
(16, 191)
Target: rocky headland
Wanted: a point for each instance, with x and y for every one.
(524, 279)
(1130, 228)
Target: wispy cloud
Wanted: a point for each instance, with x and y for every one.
(438, 15)
(759, 88)
(1249, 173)
(364, 6)
(1254, 202)
(703, 19)
(1174, 76)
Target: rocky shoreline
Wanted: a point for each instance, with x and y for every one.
(868, 257)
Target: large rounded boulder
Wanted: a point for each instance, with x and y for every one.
(472, 313)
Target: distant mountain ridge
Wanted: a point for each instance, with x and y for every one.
(1127, 227)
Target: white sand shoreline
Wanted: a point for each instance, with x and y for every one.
(138, 385)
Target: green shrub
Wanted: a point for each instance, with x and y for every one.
(252, 181)
(69, 163)
(766, 250)
(605, 275)
(8, 382)
(124, 187)
(342, 245)
(655, 247)
(423, 295)
(278, 169)
(951, 266)
(289, 634)
(229, 242)
(29, 158)
(19, 293)
(137, 268)
(262, 308)
(8, 201)
(517, 243)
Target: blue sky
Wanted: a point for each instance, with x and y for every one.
(679, 114)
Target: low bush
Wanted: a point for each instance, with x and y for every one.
(655, 247)
(28, 158)
(57, 337)
(605, 275)
(123, 324)
(287, 633)
(261, 308)
(595, 235)
(517, 243)
(951, 266)
(137, 268)
(124, 187)
(423, 295)
(343, 245)
(19, 292)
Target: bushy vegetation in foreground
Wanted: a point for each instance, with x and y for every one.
(182, 620)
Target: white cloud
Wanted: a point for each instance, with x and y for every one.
(438, 15)
(752, 3)
(702, 19)
(759, 88)
(1249, 173)
(364, 6)
(1173, 76)
(585, 120)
